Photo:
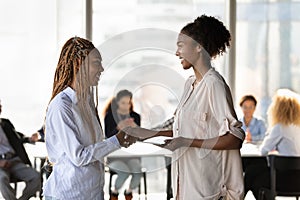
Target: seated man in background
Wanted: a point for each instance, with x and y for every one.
(14, 162)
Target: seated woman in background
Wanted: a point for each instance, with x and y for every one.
(284, 118)
(254, 127)
(118, 115)
(284, 138)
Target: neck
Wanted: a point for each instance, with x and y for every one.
(202, 65)
(247, 120)
(200, 71)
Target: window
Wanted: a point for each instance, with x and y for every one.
(267, 49)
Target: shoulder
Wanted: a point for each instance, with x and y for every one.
(60, 103)
(189, 81)
(5, 121)
(135, 114)
(276, 129)
(108, 115)
(216, 85)
(214, 78)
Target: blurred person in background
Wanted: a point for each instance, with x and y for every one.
(14, 162)
(254, 127)
(283, 138)
(119, 114)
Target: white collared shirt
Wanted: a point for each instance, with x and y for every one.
(206, 111)
(78, 172)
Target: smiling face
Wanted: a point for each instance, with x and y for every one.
(248, 108)
(187, 51)
(95, 67)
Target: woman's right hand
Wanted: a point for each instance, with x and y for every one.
(124, 139)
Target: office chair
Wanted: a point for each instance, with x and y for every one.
(284, 177)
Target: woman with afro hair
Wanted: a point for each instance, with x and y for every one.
(206, 133)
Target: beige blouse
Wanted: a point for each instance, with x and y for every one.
(206, 111)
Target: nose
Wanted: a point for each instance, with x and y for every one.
(177, 53)
(101, 69)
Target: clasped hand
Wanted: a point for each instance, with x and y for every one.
(141, 134)
(125, 139)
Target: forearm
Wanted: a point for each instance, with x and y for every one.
(225, 142)
(146, 133)
(167, 133)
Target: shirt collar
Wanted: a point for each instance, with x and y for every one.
(252, 122)
(71, 94)
(209, 72)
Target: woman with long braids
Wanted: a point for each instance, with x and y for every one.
(74, 137)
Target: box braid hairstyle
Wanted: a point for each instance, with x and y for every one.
(73, 66)
(210, 33)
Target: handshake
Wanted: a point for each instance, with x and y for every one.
(130, 135)
(127, 137)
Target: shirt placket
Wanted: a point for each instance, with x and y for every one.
(179, 111)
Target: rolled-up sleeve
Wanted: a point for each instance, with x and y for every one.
(220, 101)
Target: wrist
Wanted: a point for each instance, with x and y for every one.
(120, 138)
(187, 142)
(196, 143)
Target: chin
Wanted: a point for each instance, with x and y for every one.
(186, 67)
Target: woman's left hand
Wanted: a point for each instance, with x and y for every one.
(175, 143)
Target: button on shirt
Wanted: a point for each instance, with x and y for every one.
(206, 111)
(78, 171)
(4, 144)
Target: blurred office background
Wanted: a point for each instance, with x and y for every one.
(32, 32)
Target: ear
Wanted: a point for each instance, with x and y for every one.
(198, 48)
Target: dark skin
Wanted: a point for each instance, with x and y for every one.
(124, 139)
(192, 56)
(225, 142)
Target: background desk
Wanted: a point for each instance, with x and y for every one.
(251, 156)
(140, 149)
